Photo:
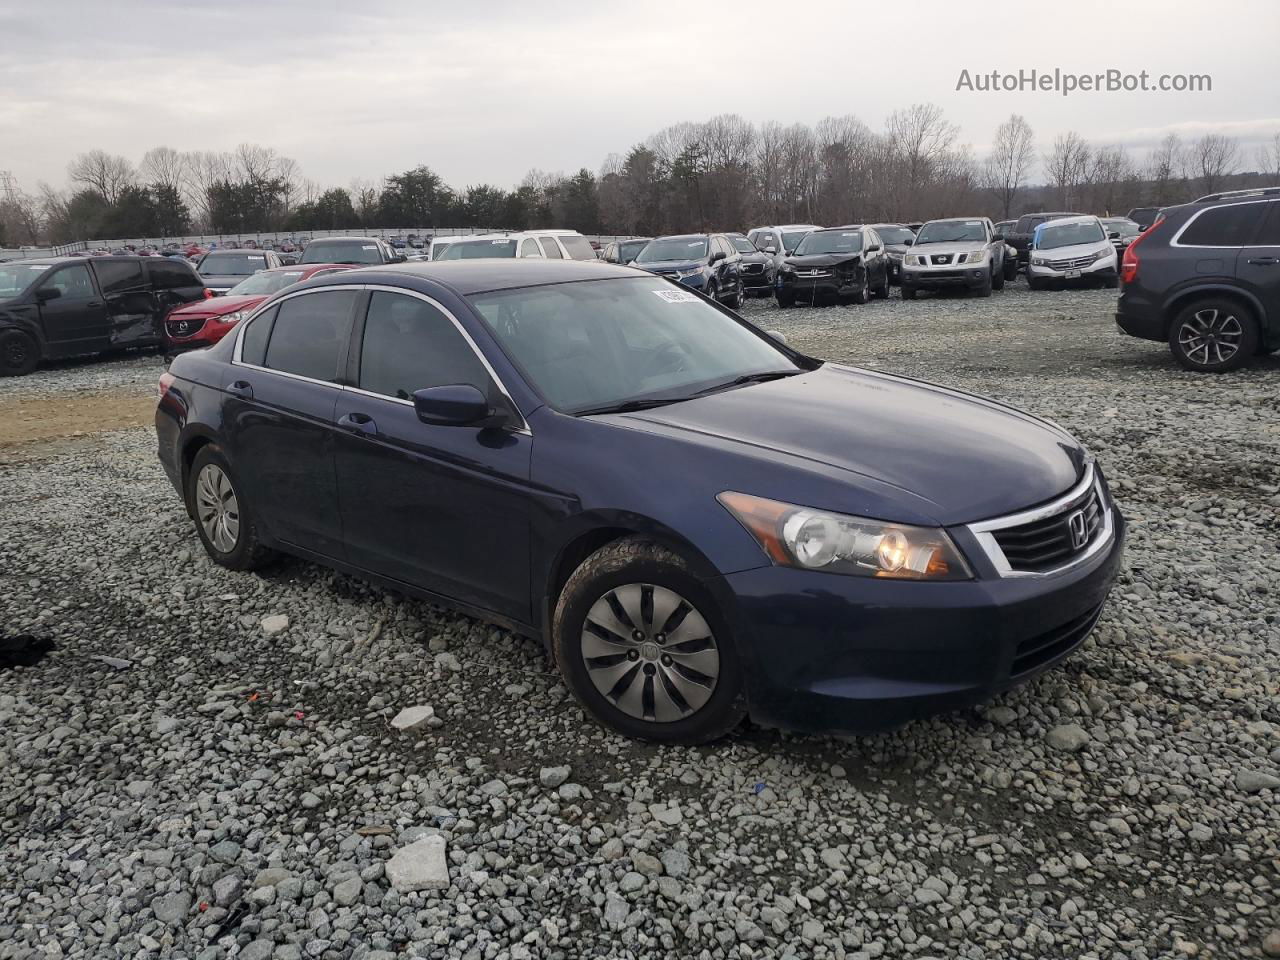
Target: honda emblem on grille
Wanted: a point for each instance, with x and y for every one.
(1079, 528)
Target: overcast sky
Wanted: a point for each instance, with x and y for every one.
(483, 91)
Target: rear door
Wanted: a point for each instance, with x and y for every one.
(282, 391)
(1258, 270)
(173, 284)
(132, 310)
(75, 319)
(444, 508)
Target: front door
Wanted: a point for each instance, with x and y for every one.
(75, 320)
(279, 416)
(131, 306)
(1258, 269)
(443, 508)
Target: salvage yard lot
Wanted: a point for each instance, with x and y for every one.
(232, 789)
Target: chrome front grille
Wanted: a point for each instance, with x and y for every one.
(940, 259)
(810, 274)
(1052, 537)
(752, 268)
(1075, 264)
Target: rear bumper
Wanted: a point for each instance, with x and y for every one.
(1139, 319)
(837, 653)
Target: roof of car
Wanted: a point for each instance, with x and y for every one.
(323, 240)
(52, 261)
(684, 236)
(466, 277)
(789, 226)
(1078, 218)
(238, 250)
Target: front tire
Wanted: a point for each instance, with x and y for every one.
(985, 289)
(223, 518)
(908, 292)
(641, 643)
(19, 354)
(997, 279)
(735, 302)
(785, 300)
(863, 293)
(1213, 336)
(1035, 283)
(882, 292)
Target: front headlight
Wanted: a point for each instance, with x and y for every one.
(1039, 262)
(794, 536)
(973, 256)
(914, 260)
(682, 274)
(233, 317)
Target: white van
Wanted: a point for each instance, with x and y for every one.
(544, 244)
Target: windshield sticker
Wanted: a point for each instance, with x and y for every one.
(677, 296)
(38, 267)
(293, 273)
(369, 246)
(848, 234)
(256, 257)
(973, 223)
(501, 241)
(696, 243)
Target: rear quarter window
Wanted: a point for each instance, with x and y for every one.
(253, 342)
(1231, 226)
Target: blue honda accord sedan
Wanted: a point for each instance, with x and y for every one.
(697, 521)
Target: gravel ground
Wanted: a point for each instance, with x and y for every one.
(233, 784)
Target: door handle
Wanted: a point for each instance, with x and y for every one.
(241, 388)
(94, 303)
(360, 423)
(1264, 261)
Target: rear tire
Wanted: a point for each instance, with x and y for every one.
(19, 354)
(618, 651)
(224, 519)
(1213, 335)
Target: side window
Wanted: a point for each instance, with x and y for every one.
(529, 248)
(72, 282)
(1229, 226)
(118, 276)
(410, 345)
(253, 343)
(171, 276)
(872, 240)
(551, 249)
(309, 335)
(1269, 235)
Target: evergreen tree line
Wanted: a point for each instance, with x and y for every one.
(725, 174)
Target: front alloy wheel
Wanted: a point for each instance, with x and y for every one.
(1213, 336)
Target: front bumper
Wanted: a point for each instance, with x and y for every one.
(836, 653)
(833, 286)
(757, 282)
(1098, 270)
(964, 275)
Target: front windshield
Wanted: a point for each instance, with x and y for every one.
(597, 344)
(353, 251)
(673, 250)
(791, 239)
(628, 251)
(1054, 235)
(269, 281)
(478, 250)
(830, 241)
(895, 234)
(952, 231)
(232, 264)
(16, 277)
(743, 245)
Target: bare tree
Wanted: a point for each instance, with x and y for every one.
(1066, 167)
(1269, 159)
(1007, 168)
(1210, 160)
(164, 166)
(1163, 168)
(204, 169)
(105, 173)
(1109, 176)
(845, 151)
(920, 137)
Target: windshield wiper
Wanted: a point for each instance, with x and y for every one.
(745, 379)
(627, 406)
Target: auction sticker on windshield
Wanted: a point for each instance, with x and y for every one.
(677, 296)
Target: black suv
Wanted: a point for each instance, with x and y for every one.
(1206, 279)
(364, 251)
(67, 307)
(1019, 236)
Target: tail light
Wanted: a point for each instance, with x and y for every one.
(167, 380)
(1129, 263)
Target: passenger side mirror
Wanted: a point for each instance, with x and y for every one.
(456, 405)
(1113, 235)
(909, 241)
(777, 335)
(717, 256)
(45, 294)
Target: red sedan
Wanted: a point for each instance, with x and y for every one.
(205, 322)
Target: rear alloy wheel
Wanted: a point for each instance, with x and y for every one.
(223, 521)
(1213, 336)
(640, 642)
(19, 354)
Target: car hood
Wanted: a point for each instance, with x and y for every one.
(958, 246)
(934, 452)
(217, 306)
(897, 247)
(223, 279)
(821, 260)
(756, 257)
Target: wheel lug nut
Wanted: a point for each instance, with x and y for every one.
(661, 638)
(666, 661)
(633, 655)
(637, 635)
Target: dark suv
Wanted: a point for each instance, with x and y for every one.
(1206, 279)
(71, 306)
(1020, 235)
(358, 251)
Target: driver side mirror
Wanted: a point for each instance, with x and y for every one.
(456, 405)
(1113, 235)
(777, 335)
(909, 241)
(45, 294)
(717, 256)
(398, 258)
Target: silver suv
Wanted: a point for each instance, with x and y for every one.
(958, 252)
